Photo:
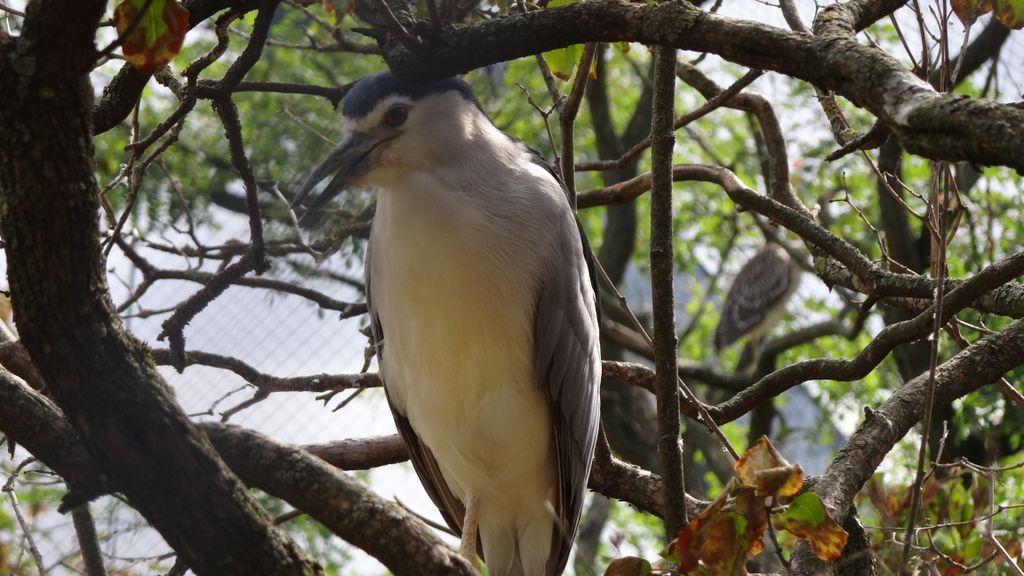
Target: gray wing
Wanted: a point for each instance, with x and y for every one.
(568, 358)
(422, 459)
(568, 363)
(762, 286)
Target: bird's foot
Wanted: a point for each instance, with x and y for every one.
(467, 547)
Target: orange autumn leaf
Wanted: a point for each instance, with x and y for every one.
(628, 566)
(1010, 13)
(338, 9)
(691, 537)
(722, 549)
(969, 10)
(723, 540)
(151, 35)
(764, 468)
(751, 506)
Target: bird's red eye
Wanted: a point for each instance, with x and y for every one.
(396, 116)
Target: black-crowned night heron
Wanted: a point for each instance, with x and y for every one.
(758, 296)
(482, 303)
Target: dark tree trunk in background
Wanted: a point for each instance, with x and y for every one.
(101, 377)
(627, 413)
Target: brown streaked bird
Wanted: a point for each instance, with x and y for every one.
(758, 296)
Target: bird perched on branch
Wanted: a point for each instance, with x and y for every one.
(483, 308)
(758, 296)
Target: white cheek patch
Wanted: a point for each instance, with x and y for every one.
(387, 157)
(349, 125)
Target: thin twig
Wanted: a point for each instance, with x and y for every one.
(26, 530)
(567, 118)
(253, 50)
(257, 397)
(228, 112)
(986, 526)
(936, 212)
(1010, 562)
(269, 382)
(549, 79)
(772, 535)
(712, 104)
(174, 326)
(293, 220)
(712, 284)
(134, 177)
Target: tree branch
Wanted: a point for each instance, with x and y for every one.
(361, 454)
(88, 541)
(31, 420)
(938, 126)
(35, 422)
(979, 365)
(662, 269)
(267, 382)
(866, 360)
(173, 328)
(383, 529)
(123, 91)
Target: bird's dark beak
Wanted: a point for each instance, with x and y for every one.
(349, 161)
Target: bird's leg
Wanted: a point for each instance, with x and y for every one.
(467, 547)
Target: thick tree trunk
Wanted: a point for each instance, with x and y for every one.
(100, 375)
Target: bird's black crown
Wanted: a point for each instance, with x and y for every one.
(365, 95)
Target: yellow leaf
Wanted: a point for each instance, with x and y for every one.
(764, 468)
(562, 61)
(806, 518)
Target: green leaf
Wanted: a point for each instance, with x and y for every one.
(806, 518)
(562, 62)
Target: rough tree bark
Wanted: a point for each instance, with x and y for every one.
(938, 126)
(102, 377)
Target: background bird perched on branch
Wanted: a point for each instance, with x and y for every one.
(757, 297)
(484, 313)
